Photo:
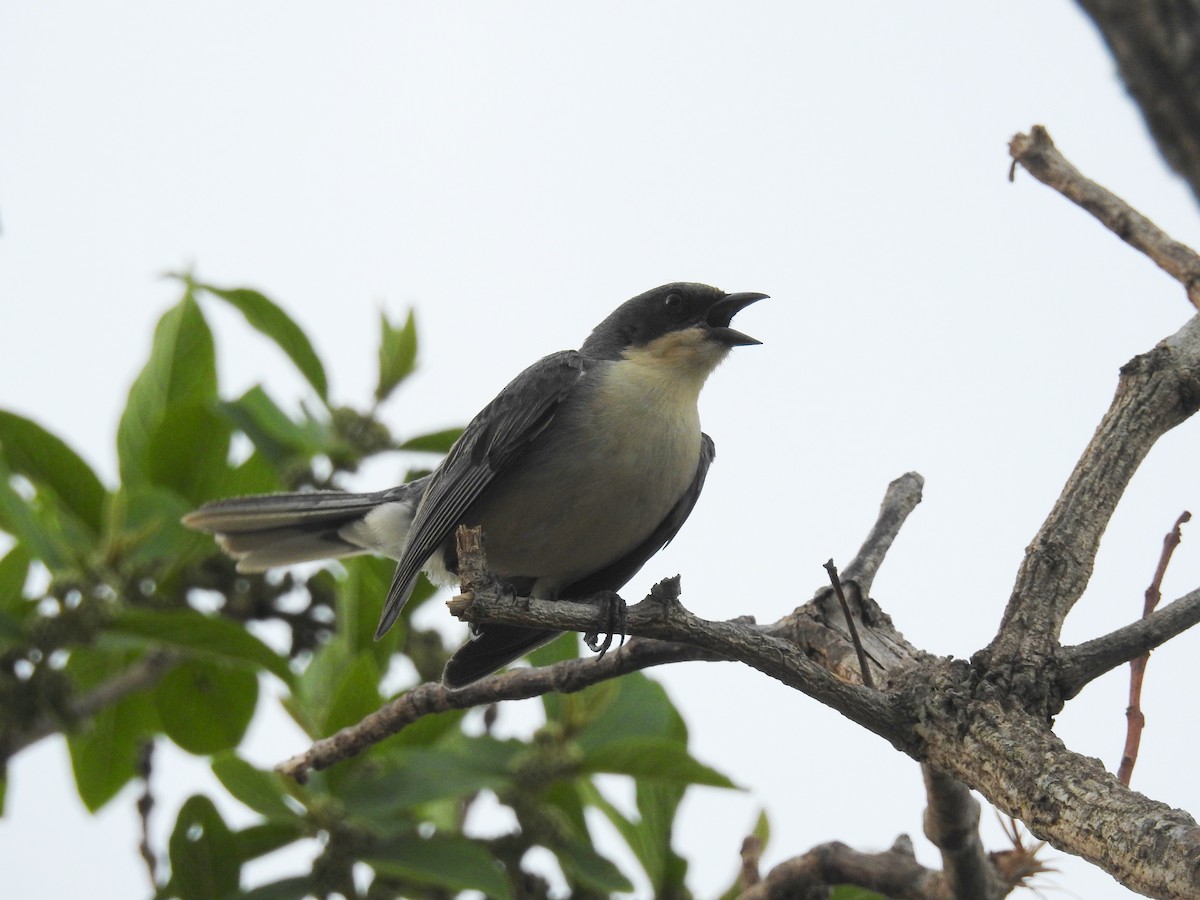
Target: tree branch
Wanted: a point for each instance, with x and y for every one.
(661, 616)
(140, 676)
(952, 825)
(1083, 663)
(565, 677)
(1036, 153)
(1155, 47)
(1135, 720)
(1157, 391)
(899, 501)
(1063, 797)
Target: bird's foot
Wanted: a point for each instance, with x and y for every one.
(615, 621)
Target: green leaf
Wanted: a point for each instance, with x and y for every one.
(104, 753)
(296, 888)
(255, 476)
(445, 861)
(272, 321)
(397, 353)
(267, 837)
(418, 776)
(263, 792)
(149, 530)
(53, 466)
(275, 434)
(356, 695)
(583, 864)
(434, 442)
(204, 858)
(18, 518)
(315, 685)
(658, 803)
(14, 571)
(359, 602)
(657, 759)
(181, 370)
(650, 836)
(208, 637)
(639, 709)
(189, 448)
(762, 829)
(204, 706)
(851, 892)
(562, 708)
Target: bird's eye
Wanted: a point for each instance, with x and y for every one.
(674, 301)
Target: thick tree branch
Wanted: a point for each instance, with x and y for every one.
(1036, 153)
(1083, 663)
(1063, 797)
(952, 825)
(1157, 391)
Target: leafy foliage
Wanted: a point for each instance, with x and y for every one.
(121, 628)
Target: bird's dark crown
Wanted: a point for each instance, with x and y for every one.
(637, 322)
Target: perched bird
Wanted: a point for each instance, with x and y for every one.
(581, 469)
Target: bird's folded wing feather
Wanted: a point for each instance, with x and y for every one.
(486, 448)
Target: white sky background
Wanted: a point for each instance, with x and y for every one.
(514, 171)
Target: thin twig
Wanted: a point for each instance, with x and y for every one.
(145, 803)
(1036, 153)
(854, 639)
(143, 674)
(752, 848)
(1135, 719)
(564, 677)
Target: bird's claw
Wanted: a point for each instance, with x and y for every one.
(615, 622)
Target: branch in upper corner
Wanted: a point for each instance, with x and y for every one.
(1135, 720)
(1083, 663)
(1036, 153)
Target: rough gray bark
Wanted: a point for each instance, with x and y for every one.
(1156, 45)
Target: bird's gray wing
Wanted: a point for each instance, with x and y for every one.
(490, 443)
(494, 646)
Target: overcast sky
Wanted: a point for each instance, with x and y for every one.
(513, 171)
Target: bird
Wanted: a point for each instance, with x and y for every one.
(580, 470)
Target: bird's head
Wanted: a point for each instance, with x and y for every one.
(681, 325)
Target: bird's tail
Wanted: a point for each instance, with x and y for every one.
(270, 530)
(492, 648)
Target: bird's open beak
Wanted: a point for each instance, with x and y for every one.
(721, 313)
